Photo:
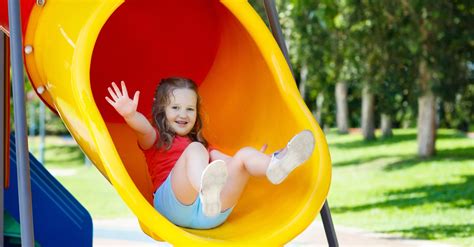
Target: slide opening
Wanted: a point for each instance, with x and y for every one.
(145, 41)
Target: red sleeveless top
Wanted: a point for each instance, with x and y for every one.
(161, 161)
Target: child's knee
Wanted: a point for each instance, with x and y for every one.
(196, 147)
(244, 152)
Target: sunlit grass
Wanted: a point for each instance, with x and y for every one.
(382, 186)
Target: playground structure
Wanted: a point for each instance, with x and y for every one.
(73, 50)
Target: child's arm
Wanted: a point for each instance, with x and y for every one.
(127, 108)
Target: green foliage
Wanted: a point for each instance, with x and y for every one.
(382, 44)
(260, 9)
(460, 113)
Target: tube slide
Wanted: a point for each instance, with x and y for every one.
(248, 94)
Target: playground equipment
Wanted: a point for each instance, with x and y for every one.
(73, 50)
(55, 210)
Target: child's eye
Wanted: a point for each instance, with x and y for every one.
(190, 109)
(174, 107)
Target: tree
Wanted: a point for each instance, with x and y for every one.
(440, 38)
(389, 71)
(320, 47)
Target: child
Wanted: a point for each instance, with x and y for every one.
(178, 156)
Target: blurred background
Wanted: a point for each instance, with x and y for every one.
(391, 84)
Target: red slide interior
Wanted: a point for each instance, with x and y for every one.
(145, 41)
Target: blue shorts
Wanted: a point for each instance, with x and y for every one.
(189, 216)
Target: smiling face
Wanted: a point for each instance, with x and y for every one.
(181, 112)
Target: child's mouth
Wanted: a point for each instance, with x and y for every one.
(181, 123)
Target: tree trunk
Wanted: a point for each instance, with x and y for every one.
(426, 125)
(426, 103)
(303, 79)
(342, 111)
(368, 126)
(426, 115)
(386, 126)
(319, 108)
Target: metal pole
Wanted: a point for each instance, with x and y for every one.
(32, 118)
(42, 132)
(23, 164)
(272, 15)
(328, 225)
(3, 117)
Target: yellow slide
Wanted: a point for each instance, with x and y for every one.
(77, 48)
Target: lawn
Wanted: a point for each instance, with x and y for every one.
(382, 186)
(379, 185)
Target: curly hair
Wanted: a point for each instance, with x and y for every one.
(162, 98)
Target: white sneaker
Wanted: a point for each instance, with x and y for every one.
(297, 151)
(213, 179)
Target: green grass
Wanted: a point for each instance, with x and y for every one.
(95, 193)
(379, 185)
(382, 186)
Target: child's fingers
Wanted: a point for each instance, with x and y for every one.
(111, 102)
(135, 97)
(116, 89)
(264, 148)
(124, 89)
(112, 94)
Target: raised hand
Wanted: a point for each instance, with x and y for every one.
(122, 103)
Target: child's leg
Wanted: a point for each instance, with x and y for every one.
(186, 174)
(192, 175)
(251, 162)
(245, 163)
